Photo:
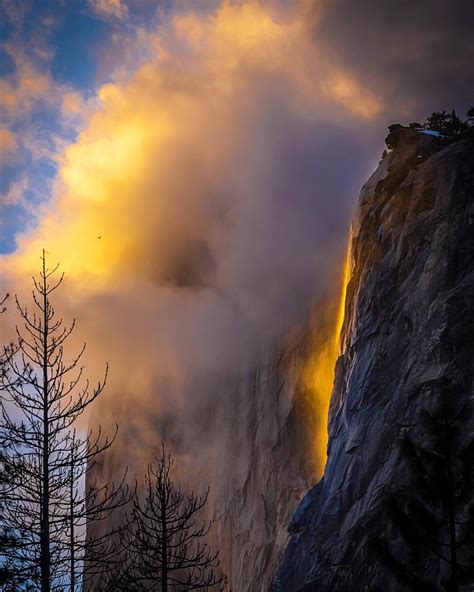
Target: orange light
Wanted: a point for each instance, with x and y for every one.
(318, 371)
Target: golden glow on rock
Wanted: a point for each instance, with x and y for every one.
(342, 301)
(318, 372)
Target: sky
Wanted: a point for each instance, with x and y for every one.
(50, 65)
(400, 60)
(194, 165)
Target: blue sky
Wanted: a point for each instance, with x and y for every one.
(61, 41)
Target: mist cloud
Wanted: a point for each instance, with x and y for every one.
(203, 210)
(418, 54)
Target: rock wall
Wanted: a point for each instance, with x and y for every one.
(260, 470)
(408, 320)
(252, 445)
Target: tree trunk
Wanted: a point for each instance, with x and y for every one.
(164, 550)
(72, 541)
(45, 526)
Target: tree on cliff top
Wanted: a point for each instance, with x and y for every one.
(445, 123)
(434, 515)
(165, 544)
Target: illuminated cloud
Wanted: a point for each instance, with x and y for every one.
(152, 172)
(72, 104)
(352, 95)
(110, 8)
(8, 146)
(192, 212)
(24, 88)
(15, 193)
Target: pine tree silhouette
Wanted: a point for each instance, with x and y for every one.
(165, 544)
(445, 123)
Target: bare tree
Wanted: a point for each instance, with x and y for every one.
(166, 548)
(89, 556)
(2, 303)
(10, 574)
(43, 395)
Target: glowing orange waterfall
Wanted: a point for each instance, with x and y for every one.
(318, 371)
(342, 301)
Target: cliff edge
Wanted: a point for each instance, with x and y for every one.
(408, 321)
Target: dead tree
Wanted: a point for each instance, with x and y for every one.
(43, 395)
(89, 556)
(3, 308)
(10, 573)
(166, 548)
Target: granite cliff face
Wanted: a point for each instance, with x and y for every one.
(408, 321)
(254, 450)
(261, 465)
